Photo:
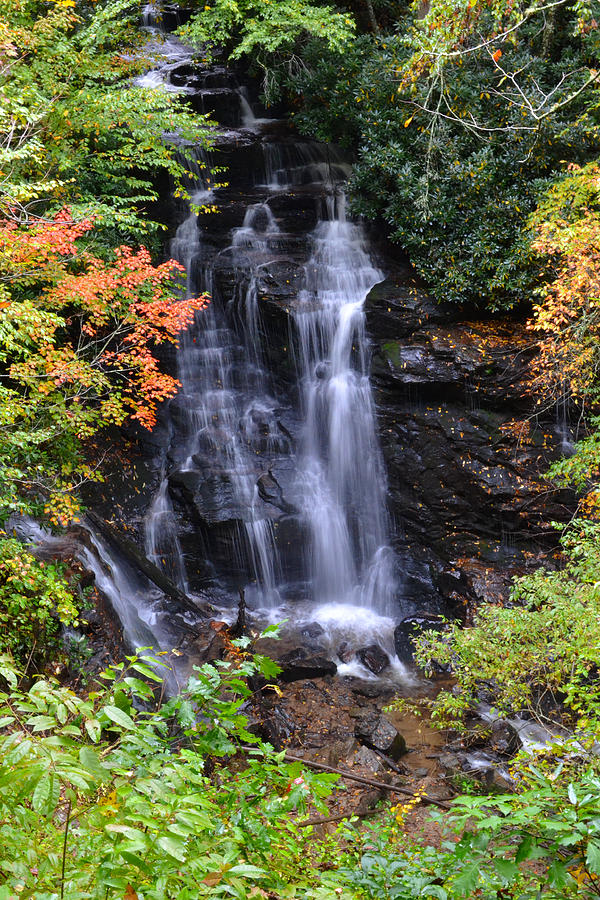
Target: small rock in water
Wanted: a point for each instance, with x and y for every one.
(377, 732)
(450, 763)
(374, 658)
(362, 688)
(300, 664)
(387, 739)
(504, 738)
(345, 652)
(312, 630)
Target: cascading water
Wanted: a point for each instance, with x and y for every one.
(341, 473)
(139, 605)
(224, 389)
(162, 542)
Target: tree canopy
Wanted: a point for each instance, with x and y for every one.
(81, 304)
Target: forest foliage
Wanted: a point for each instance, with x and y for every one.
(81, 303)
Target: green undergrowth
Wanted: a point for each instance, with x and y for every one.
(538, 655)
(36, 600)
(117, 795)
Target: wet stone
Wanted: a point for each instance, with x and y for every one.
(374, 658)
(312, 630)
(378, 733)
(301, 664)
(340, 751)
(345, 652)
(363, 688)
(504, 738)
(367, 759)
(410, 628)
(387, 739)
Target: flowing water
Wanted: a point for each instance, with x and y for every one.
(341, 473)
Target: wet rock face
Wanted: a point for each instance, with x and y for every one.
(464, 454)
(411, 627)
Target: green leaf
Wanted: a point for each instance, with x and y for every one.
(135, 860)
(146, 670)
(91, 761)
(173, 847)
(138, 687)
(94, 730)
(134, 834)
(468, 878)
(17, 754)
(121, 718)
(434, 890)
(41, 723)
(77, 779)
(592, 857)
(525, 848)
(557, 874)
(506, 869)
(247, 871)
(41, 794)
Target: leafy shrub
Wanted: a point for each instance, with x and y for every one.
(542, 842)
(101, 799)
(35, 601)
(540, 654)
(460, 130)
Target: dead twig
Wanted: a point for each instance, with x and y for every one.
(338, 818)
(360, 779)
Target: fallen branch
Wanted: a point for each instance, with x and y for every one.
(338, 818)
(390, 762)
(360, 779)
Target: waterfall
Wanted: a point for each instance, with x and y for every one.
(162, 541)
(223, 389)
(341, 472)
(285, 478)
(139, 605)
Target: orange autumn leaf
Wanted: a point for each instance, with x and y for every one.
(82, 330)
(124, 306)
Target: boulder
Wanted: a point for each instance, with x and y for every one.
(302, 663)
(367, 759)
(378, 733)
(409, 628)
(374, 658)
(504, 738)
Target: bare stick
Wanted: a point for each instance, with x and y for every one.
(360, 779)
(64, 853)
(338, 818)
